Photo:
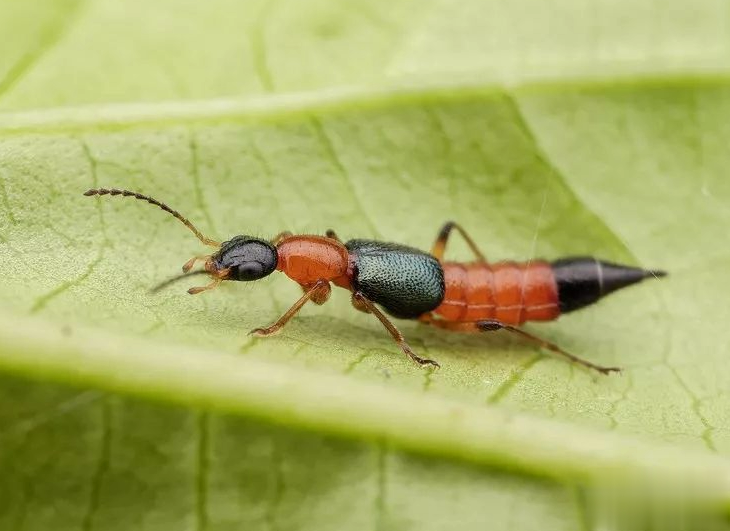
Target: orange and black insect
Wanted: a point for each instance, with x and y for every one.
(411, 284)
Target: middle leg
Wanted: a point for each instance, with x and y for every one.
(364, 304)
(333, 235)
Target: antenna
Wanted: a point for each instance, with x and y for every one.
(153, 201)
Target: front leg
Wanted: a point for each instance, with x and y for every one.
(187, 266)
(319, 291)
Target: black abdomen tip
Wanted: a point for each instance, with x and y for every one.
(583, 280)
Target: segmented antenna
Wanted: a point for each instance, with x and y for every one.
(153, 201)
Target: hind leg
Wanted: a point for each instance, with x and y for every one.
(439, 246)
(491, 325)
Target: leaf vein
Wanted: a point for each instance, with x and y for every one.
(197, 187)
(381, 493)
(352, 365)
(696, 404)
(331, 153)
(517, 375)
(202, 471)
(101, 467)
(94, 167)
(440, 128)
(258, 47)
(278, 476)
(268, 172)
(42, 301)
(613, 408)
(543, 157)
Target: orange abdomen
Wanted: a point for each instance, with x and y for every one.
(508, 292)
(307, 259)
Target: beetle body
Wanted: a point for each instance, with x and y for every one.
(410, 284)
(460, 296)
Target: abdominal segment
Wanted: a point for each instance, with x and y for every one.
(509, 292)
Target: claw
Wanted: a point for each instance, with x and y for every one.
(423, 361)
(263, 332)
(608, 370)
(196, 290)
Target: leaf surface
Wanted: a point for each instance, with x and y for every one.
(389, 119)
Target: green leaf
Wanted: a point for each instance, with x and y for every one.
(378, 119)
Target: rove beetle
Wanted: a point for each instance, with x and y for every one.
(411, 284)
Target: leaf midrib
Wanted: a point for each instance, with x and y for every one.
(288, 107)
(304, 398)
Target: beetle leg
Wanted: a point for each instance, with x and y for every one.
(276, 240)
(319, 296)
(363, 304)
(332, 235)
(359, 305)
(187, 266)
(491, 325)
(439, 246)
(488, 326)
(200, 289)
(320, 290)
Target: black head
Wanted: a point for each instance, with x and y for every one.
(245, 258)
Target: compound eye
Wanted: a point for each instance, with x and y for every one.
(250, 271)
